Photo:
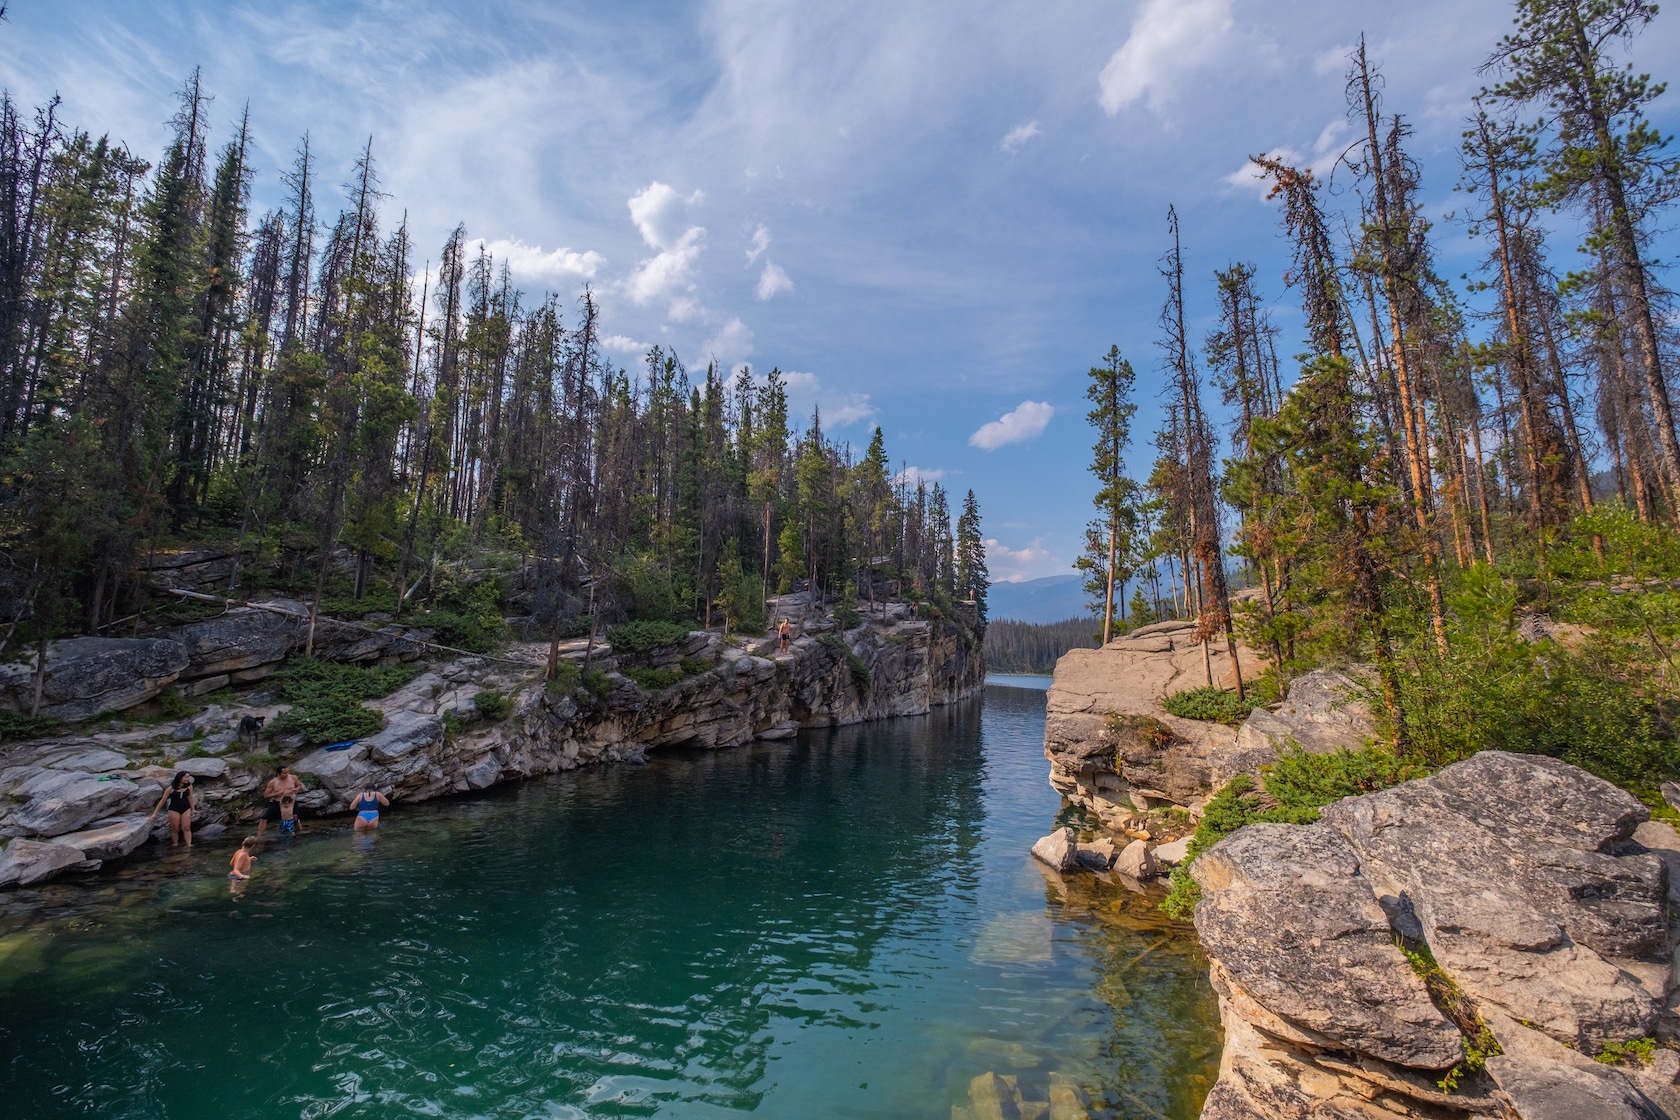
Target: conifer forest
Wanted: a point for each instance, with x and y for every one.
(175, 368)
(1472, 483)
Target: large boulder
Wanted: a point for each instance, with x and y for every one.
(86, 676)
(111, 838)
(1293, 926)
(24, 862)
(61, 801)
(241, 639)
(1540, 891)
(1324, 712)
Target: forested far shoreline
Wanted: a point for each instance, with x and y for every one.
(1033, 647)
(175, 369)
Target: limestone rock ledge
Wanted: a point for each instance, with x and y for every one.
(1540, 890)
(749, 693)
(68, 803)
(1116, 752)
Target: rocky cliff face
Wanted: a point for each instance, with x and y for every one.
(1116, 752)
(68, 803)
(750, 692)
(1541, 894)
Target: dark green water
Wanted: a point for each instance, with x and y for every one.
(846, 925)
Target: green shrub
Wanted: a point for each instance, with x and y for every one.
(1479, 1042)
(17, 725)
(694, 666)
(326, 698)
(1295, 789)
(329, 720)
(598, 682)
(654, 680)
(172, 705)
(492, 704)
(375, 597)
(1217, 705)
(566, 677)
(1633, 1050)
(645, 635)
(648, 591)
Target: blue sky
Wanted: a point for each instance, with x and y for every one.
(936, 216)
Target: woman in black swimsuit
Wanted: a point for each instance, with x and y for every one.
(181, 801)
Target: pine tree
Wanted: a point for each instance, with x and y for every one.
(1105, 562)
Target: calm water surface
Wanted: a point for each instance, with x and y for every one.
(843, 925)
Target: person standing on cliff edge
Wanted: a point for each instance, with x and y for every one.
(785, 633)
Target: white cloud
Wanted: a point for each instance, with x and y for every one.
(1018, 136)
(1024, 422)
(682, 309)
(1012, 565)
(910, 476)
(659, 213)
(1326, 150)
(531, 262)
(1169, 38)
(759, 243)
(773, 281)
(624, 344)
(839, 410)
(732, 343)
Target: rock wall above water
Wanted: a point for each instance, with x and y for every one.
(1540, 892)
(86, 797)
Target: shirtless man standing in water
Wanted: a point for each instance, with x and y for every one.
(278, 787)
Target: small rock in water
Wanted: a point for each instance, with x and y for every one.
(1060, 849)
(1174, 853)
(1136, 861)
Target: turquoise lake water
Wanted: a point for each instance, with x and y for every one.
(847, 924)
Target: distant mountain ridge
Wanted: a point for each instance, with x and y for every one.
(1050, 599)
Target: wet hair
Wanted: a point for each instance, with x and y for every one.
(180, 776)
(249, 842)
(287, 800)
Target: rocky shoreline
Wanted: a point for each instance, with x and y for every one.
(1461, 945)
(70, 802)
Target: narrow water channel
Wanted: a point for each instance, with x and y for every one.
(843, 925)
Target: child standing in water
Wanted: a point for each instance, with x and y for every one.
(242, 859)
(288, 814)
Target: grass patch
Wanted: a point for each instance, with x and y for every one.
(654, 680)
(645, 635)
(1292, 792)
(694, 666)
(1479, 1043)
(566, 677)
(1216, 705)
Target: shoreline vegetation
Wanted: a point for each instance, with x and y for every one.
(385, 442)
(1473, 489)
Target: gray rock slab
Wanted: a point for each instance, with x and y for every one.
(64, 801)
(93, 760)
(1173, 852)
(86, 676)
(241, 639)
(1292, 921)
(111, 838)
(1135, 861)
(204, 767)
(24, 862)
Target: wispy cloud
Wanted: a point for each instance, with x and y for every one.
(732, 344)
(910, 476)
(1025, 421)
(1169, 39)
(1015, 138)
(839, 410)
(759, 244)
(773, 281)
(1013, 565)
(624, 344)
(1326, 150)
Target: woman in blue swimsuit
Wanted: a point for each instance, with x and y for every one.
(367, 809)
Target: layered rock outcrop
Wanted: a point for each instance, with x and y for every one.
(1115, 751)
(1540, 893)
(88, 796)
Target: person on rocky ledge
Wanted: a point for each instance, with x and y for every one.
(785, 633)
(182, 802)
(283, 783)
